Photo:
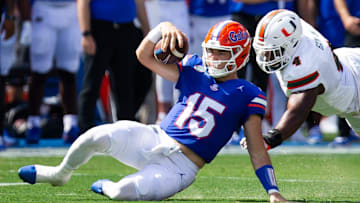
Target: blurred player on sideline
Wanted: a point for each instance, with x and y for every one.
(55, 34)
(213, 103)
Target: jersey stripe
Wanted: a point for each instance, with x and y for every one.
(257, 105)
(303, 81)
(265, 23)
(259, 101)
(217, 30)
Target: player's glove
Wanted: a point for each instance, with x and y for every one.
(272, 138)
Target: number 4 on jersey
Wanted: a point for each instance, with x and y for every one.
(296, 61)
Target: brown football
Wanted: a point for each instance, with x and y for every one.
(169, 57)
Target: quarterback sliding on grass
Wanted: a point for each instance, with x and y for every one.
(213, 104)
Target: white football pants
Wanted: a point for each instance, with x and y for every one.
(55, 33)
(162, 173)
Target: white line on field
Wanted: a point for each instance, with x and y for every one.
(12, 184)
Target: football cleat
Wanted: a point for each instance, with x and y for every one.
(315, 135)
(97, 186)
(70, 136)
(28, 174)
(344, 141)
(9, 141)
(33, 135)
(44, 174)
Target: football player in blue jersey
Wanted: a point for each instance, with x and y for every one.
(213, 103)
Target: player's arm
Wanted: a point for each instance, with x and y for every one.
(87, 41)
(298, 107)
(142, 16)
(145, 52)
(351, 23)
(260, 158)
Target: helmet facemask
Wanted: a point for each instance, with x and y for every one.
(229, 65)
(271, 59)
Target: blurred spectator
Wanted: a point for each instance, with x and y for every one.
(204, 14)
(7, 31)
(55, 33)
(109, 40)
(175, 11)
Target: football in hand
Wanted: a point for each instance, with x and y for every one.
(170, 57)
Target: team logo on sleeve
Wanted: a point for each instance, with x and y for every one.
(214, 87)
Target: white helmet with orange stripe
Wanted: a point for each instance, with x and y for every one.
(276, 38)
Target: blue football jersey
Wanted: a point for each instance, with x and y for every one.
(207, 112)
(212, 8)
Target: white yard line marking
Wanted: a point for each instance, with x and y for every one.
(12, 184)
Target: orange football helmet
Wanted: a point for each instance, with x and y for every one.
(227, 36)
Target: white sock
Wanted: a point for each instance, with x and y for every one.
(56, 176)
(33, 121)
(69, 121)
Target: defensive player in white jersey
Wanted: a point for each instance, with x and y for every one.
(213, 103)
(311, 73)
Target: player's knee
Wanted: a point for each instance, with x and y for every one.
(130, 189)
(94, 139)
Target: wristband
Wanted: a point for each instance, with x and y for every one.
(267, 178)
(273, 138)
(155, 34)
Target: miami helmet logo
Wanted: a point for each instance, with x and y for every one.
(234, 37)
(286, 33)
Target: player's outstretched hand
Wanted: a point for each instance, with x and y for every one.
(277, 197)
(243, 144)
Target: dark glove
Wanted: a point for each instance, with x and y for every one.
(273, 138)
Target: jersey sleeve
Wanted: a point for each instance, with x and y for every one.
(306, 82)
(189, 65)
(189, 61)
(257, 105)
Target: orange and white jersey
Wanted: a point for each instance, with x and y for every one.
(315, 63)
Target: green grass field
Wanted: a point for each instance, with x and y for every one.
(229, 178)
